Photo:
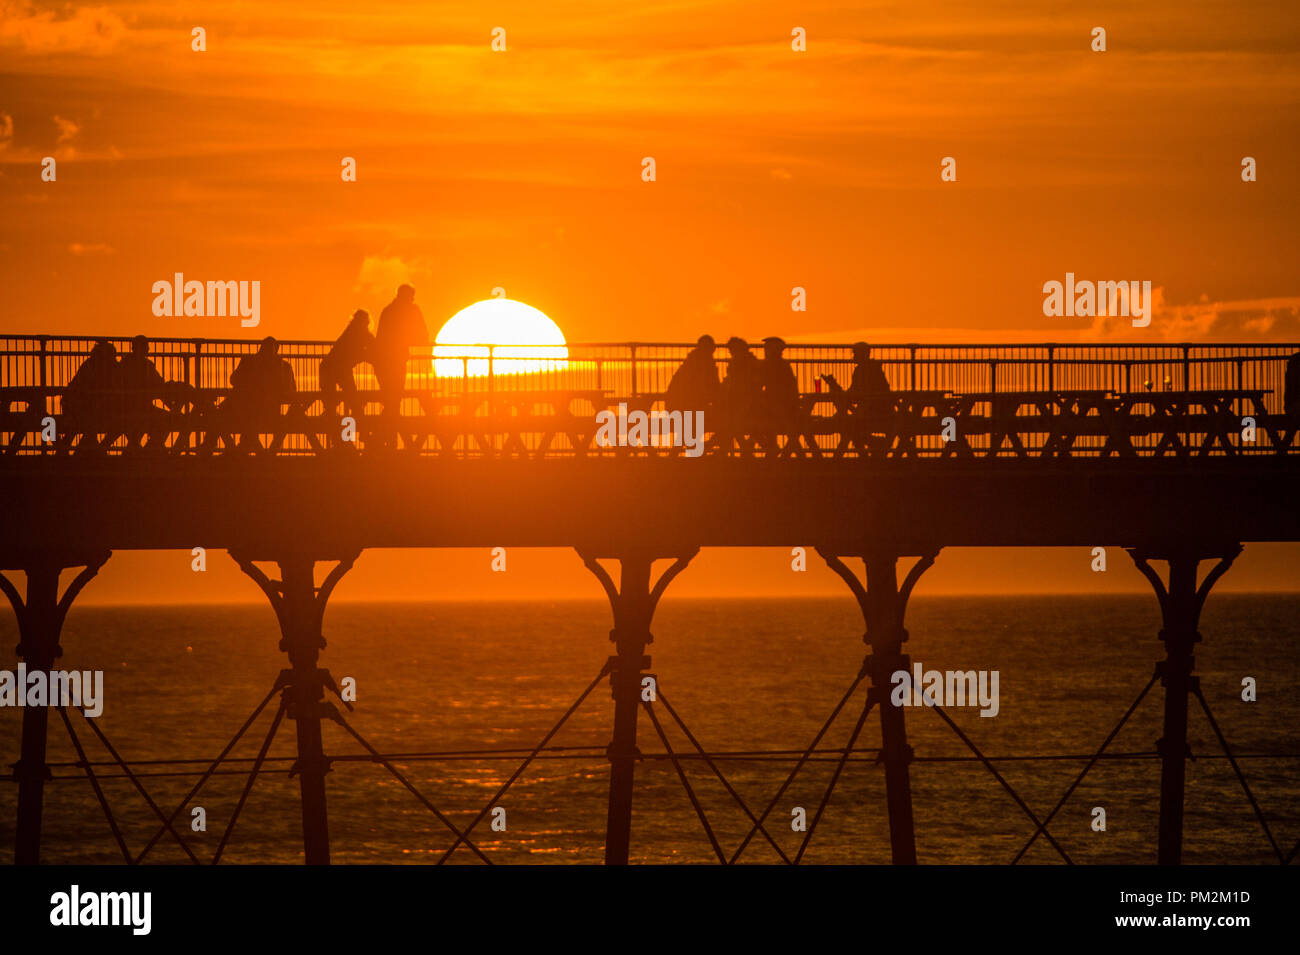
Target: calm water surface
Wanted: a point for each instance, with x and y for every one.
(744, 674)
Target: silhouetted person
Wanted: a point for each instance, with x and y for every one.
(260, 384)
(400, 327)
(695, 385)
(1291, 386)
(138, 385)
(88, 398)
(780, 404)
(741, 393)
(867, 402)
(1291, 397)
(336, 369)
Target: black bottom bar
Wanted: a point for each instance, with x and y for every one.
(979, 906)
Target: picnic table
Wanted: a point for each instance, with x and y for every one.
(891, 425)
(21, 412)
(1215, 413)
(1065, 416)
(514, 414)
(1060, 415)
(530, 422)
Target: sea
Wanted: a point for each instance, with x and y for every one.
(458, 692)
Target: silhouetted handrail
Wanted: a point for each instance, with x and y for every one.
(1039, 400)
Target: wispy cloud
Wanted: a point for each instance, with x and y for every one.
(90, 248)
(1253, 320)
(67, 129)
(380, 275)
(72, 30)
(1246, 320)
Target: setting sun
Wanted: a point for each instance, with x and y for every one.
(520, 338)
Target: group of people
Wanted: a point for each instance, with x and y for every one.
(755, 405)
(401, 327)
(111, 396)
(758, 402)
(117, 392)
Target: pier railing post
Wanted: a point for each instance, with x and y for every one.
(300, 609)
(884, 604)
(633, 603)
(40, 623)
(1180, 611)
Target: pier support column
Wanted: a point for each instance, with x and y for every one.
(1180, 612)
(40, 623)
(633, 604)
(883, 604)
(300, 609)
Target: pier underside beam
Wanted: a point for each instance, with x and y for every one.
(299, 606)
(40, 623)
(633, 604)
(1180, 612)
(883, 603)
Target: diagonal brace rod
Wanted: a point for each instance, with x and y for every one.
(708, 761)
(1005, 785)
(686, 783)
(799, 765)
(1196, 690)
(94, 783)
(1042, 826)
(524, 765)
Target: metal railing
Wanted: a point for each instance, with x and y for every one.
(34, 370)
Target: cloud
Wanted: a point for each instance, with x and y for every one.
(6, 130)
(77, 30)
(1252, 320)
(380, 275)
(67, 129)
(1246, 321)
(90, 248)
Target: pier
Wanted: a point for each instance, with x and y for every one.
(1180, 455)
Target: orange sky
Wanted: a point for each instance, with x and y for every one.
(775, 168)
(522, 169)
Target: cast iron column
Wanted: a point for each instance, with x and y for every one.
(1180, 612)
(40, 622)
(300, 608)
(633, 604)
(883, 604)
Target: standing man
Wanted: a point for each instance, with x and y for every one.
(401, 325)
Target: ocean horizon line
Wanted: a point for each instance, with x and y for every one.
(600, 599)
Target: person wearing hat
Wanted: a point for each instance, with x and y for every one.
(780, 405)
(336, 369)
